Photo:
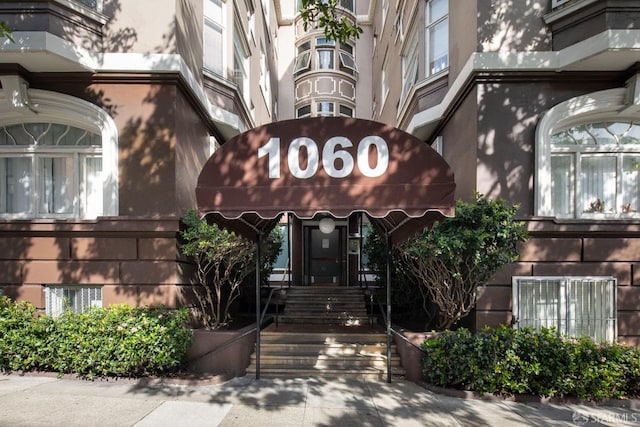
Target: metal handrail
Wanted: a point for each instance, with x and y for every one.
(397, 333)
(247, 332)
(266, 306)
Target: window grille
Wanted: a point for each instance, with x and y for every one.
(575, 306)
(72, 298)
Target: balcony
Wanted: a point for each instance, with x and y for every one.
(62, 25)
(572, 21)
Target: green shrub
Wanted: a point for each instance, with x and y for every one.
(114, 341)
(543, 363)
(22, 336)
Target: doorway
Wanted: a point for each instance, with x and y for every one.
(325, 261)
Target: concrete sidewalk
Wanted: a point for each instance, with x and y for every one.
(48, 401)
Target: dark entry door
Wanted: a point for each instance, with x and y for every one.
(326, 256)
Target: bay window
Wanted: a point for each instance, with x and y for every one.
(588, 158)
(50, 170)
(595, 170)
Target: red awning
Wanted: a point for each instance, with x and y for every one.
(330, 165)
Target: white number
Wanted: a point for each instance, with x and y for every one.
(293, 157)
(382, 162)
(272, 149)
(330, 155)
(333, 150)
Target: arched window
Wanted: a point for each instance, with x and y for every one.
(58, 156)
(588, 158)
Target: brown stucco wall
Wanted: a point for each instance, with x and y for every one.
(134, 259)
(162, 143)
(610, 252)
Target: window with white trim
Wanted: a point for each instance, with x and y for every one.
(347, 4)
(325, 52)
(75, 298)
(325, 108)
(240, 64)
(596, 170)
(265, 76)
(409, 65)
(347, 61)
(575, 306)
(385, 81)
(50, 170)
(385, 11)
(437, 33)
(346, 111)
(58, 158)
(304, 111)
(303, 59)
(214, 36)
(588, 158)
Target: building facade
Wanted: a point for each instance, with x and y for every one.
(109, 111)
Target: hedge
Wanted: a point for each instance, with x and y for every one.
(507, 361)
(117, 341)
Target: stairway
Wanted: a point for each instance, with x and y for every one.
(336, 305)
(325, 331)
(285, 353)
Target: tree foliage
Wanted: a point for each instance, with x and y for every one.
(460, 254)
(6, 31)
(327, 17)
(223, 261)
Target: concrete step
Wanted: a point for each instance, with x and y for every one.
(332, 349)
(325, 319)
(286, 372)
(325, 361)
(334, 352)
(323, 338)
(330, 309)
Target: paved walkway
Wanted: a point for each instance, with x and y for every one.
(48, 401)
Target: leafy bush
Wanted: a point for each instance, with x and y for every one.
(114, 341)
(543, 363)
(223, 260)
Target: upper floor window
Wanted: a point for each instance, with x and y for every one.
(96, 5)
(437, 32)
(265, 76)
(304, 111)
(384, 81)
(326, 56)
(347, 62)
(303, 60)
(588, 157)
(214, 36)
(241, 65)
(344, 4)
(409, 65)
(325, 108)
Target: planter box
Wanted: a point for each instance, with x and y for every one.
(410, 356)
(221, 353)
